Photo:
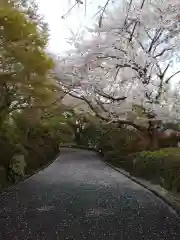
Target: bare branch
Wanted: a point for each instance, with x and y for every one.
(157, 35)
(162, 73)
(161, 76)
(106, 119)
(160, 42)
(66, 14)
(160, 89)
(118, 69)
(132, 33)
(165, 70)
(105, 95)
(103, 10)
(141, 45)
(173, 75)
(162, 52)
(102, 106)
(77, 2)
(146, 31)
(129, 8)
(133, 66)
(89, 104)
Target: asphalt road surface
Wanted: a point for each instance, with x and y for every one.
(80, 197)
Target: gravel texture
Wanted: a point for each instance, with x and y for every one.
(80, 197)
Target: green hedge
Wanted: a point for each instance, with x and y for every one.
(16, 169)
(117, 159)
(162, 167)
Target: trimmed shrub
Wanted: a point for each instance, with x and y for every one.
(116, 158)
(162, 167)
(16, 168)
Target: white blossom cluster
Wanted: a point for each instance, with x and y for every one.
(128, 61)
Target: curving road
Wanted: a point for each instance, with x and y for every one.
(80, 197)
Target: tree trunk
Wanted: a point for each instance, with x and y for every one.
(148, 135)
(152, 135)
(143, 140)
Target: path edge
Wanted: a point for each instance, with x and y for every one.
(172, 206)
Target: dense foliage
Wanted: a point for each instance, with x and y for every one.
(31, 112)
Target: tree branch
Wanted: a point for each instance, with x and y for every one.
(103, 10)
(134, 28)
(129, 123)
(162, 52)
(173, 75)
(102, 106)
(102, 94)
(165, 70)
(118, 121)
(129, 8)
(157, 35)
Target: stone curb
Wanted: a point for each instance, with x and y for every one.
(175, 208)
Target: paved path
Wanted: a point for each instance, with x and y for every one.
(79, 197)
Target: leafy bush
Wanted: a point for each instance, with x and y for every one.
(116, 159)
(162, 167)
(16, 168)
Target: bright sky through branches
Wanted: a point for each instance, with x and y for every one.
(60, 29)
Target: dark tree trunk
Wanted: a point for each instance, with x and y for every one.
(152, 135)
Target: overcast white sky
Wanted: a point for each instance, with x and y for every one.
(59, 28)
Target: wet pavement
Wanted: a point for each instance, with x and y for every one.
(80, 197)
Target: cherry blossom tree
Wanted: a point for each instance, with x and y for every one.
(128, 61)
